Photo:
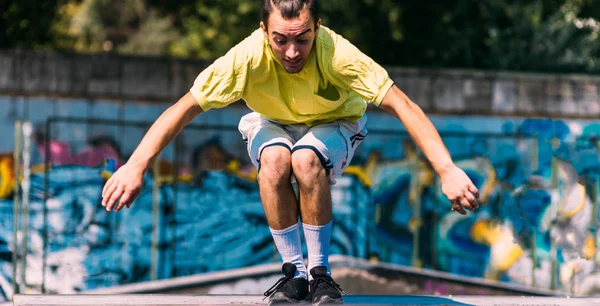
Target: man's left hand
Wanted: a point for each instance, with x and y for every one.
(459, 189)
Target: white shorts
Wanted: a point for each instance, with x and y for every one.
(334, 143)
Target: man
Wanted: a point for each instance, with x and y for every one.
(309, 89)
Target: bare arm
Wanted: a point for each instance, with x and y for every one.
(455, 184)
(165, 128)
(419, 127)
(126, 183)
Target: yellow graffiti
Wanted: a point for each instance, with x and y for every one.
(360, 173)
(235, 167)
(509, 259)
(7, 174)
(169, 180)
(7, 177)
(40, 168)
(105, 174)
(371, 164)
(589, 248)
(414, 224)
(564, 214)
(488, 187)
(486, 232)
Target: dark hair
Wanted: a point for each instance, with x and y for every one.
(289, 9)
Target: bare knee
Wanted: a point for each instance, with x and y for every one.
(307, 165)
(275, 165)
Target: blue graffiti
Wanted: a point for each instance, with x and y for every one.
(214, 223)
(533, 201)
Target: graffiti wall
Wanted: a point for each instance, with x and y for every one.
(538, 180)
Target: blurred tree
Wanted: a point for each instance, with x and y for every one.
(24, 23)
(211, 27)
(131, 27)
(533, 35)
(541, 38)
(374, 26)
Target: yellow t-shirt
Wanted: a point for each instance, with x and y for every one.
(336, 82)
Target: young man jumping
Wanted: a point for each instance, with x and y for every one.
(308, 88)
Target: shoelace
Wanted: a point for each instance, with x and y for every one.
(277, 285)
(324, 280)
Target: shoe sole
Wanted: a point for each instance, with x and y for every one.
(325, 300)
(279, 299)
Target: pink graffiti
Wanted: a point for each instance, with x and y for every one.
(92, 156)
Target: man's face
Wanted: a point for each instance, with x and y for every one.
(291, 39)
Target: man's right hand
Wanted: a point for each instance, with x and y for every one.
(125, 184)
(459, 189)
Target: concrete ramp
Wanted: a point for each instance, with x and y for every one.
(161, 299)
(356, 276)
(367, 283)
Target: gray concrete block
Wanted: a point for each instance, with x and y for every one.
(447, 95)
(531, 97)
(559, 98)
(477, 95)
(9, 72)
(176, 89)
(587, 98)
(72, 74)
(183, 74)
(123, 78)
(416, 87)
(505, 96)
(104, 75)
(38, 73)
(145, 78)
(192, 71)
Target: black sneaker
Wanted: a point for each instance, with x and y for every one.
(288, 289)
(323, 289)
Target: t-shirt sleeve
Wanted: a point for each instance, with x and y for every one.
(224, 81)
(352, 69)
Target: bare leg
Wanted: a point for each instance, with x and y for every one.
(280, 205)
(278, 199)
(315, 207)
(313, 183)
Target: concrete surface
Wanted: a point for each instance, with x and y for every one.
(147, 300)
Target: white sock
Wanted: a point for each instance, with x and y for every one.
(317, 238)
(289, 246)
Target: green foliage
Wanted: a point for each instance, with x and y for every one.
(211, 27)
(541, 39)
(131, 27)
(24, 23)
(531, 35)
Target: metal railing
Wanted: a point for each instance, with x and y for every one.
(21, 197)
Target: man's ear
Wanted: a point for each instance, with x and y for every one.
(264, 28)
(318, 26)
